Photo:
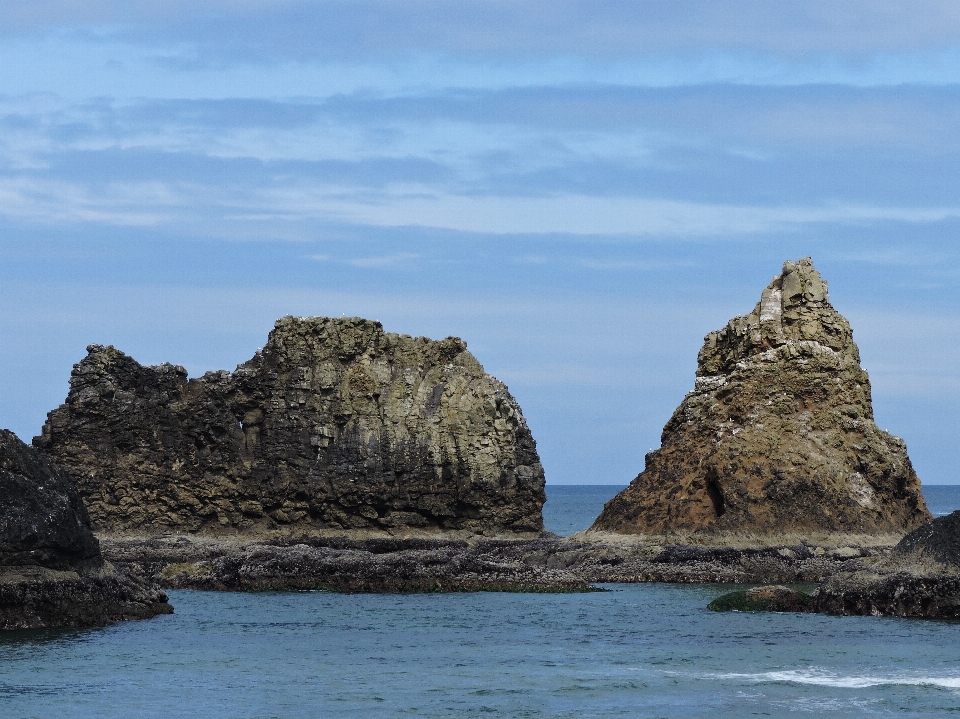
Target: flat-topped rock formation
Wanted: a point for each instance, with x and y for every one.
(333, 425)
(51, 570)
(777, 437)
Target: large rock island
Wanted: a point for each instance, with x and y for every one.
(51, 570)
(333, 425)
(778, 438)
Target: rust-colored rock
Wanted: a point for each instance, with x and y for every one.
(778, 435)
(334, 424)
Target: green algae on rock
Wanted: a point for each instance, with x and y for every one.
(333, 425)
(771, 598)
(778, 435)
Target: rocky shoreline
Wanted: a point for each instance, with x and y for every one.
(52, 572)
(423, 564)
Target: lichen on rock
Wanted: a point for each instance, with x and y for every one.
(334, 424)
(778, 435)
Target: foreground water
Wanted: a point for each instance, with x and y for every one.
(644, 650)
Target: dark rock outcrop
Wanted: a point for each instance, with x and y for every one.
(51, 570)
(348, 565)
(919, 578)
(778, 435)
(334, 424)
(427, 564)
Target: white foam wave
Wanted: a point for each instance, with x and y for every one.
(823, 678)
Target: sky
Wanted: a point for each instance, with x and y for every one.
(580, 190)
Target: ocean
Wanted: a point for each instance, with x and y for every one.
(646, 650)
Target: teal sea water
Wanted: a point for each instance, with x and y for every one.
(635, 651)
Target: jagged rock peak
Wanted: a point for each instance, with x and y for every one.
(777, 435)
(333, 424)
(794, 307)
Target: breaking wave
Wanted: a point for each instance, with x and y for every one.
(823, 678)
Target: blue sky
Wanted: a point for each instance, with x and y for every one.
(581, 190)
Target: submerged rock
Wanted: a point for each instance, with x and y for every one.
(51, 570)
(771, 598)
(778, 435)
(334, 424)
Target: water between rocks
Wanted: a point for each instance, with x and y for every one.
(635, 651)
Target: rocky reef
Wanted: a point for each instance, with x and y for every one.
(333, 425)
(444, 564)
(919, 578)
(51, 570)
(778, 436)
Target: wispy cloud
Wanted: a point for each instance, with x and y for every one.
(284, 28)
(375, 262)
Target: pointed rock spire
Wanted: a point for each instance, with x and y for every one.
(777, 435)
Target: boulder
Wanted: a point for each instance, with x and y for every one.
(333, 425)
(778, 436)
(769, 598)
(51, 570)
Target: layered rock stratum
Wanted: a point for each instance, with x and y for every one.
(333, 425)
(778, 435)
(52, 573)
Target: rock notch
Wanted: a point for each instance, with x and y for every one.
(51, 570)
(778, 435)
(334, 424)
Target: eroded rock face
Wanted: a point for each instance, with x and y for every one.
(51, 570)
(42, 519)
(333, 424)
(778, 434)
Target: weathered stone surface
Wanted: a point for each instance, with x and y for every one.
(334, 424)
(919, 578)
(42, 519)
(778, 435)
(390, 564)
(51, 570)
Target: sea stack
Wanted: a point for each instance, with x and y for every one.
(333, 425)
(51, 571)
(777, 436)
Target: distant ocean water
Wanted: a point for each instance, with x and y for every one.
(645, 650)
